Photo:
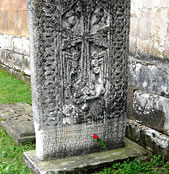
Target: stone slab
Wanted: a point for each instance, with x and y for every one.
(149, 76)
(17, 120)
(155, 141)
(149, 109)
(78, 75)
(86, 163)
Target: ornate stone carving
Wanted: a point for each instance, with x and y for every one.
(79, 63)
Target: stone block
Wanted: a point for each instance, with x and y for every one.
(13, 60)
(3, 21)
(159, 33)
(78, 74)
(17, 45)
(144, 33)
(25, 42)
(24, 18)
(149, 109)
(149, 138)
(13, 17)
(11, 22)
(17, 61)
(6, 57)
(86, 163)
(133, 33)
(160, 4)
(151, 25)
(13, 5)
(150, 4)
(26, 65)
(6, 42)
(18, 23)
(137, 4)
(21, 45)
(152, 78)
(17, 120)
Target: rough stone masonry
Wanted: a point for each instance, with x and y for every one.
(79, 51)
(149, 75)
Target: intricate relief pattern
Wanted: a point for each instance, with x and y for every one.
(84, 52)
(79, 51)
(82, 60)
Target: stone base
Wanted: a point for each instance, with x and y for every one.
(149, 138)
(17, 120)
(86, 163)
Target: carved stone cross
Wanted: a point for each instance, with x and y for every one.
(79, 52)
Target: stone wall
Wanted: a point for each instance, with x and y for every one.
(14, 42)
(13, 17)
(148, 99)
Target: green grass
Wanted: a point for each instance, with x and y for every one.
(156, 166)
(11, 155)
(13, 90)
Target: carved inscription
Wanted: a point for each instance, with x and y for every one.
(79, 51)
(72, 139)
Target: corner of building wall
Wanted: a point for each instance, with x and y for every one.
(14, 56)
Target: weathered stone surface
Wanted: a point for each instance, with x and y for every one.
(79, 52)
(149, 34)
(150, 4)
(149, 72)
(26, 65)
(149, 109)
(149, 138)
(6, 42)
(25, 42)
(16, 44)
(13, 17)
(21, 45)
(14, 56)
(149, 77)
(17, 120)
(86, 163)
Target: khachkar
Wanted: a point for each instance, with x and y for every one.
(79, 51)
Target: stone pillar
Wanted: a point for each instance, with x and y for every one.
(79, 52)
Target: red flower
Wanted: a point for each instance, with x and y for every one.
(95, 136)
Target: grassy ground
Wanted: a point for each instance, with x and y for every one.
(156, 166)
(11, 155)
(13, 90)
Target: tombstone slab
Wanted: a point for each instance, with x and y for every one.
(17, 120)
(79, 51)
(86, 163)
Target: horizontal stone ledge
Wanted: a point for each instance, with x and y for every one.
(86, 163)
(149, 138)
(152, 78)
(17, 44)
(15, 61)
(149, 109)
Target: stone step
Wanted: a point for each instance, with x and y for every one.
(17, 120)
(86, 163)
